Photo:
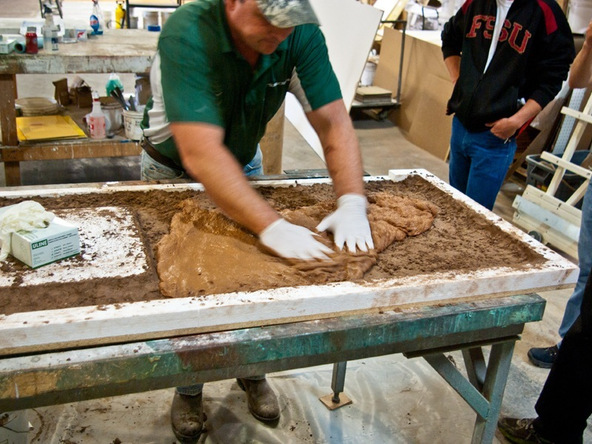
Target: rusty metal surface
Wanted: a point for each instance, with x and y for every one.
(59, 377)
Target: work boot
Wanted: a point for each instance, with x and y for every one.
(521, 431)
(263, 403)
(543, 357)
(187, 417)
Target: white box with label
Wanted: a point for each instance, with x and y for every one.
(42, 246)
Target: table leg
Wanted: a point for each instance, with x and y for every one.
(7, 110)
(487, 401)
(8, 125)
(337, 398)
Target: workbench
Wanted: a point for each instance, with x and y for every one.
(116, 51)
(66, 355)
(40, 379)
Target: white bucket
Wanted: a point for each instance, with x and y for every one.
(368, 74)
(132, 121)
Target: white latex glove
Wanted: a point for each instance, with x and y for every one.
(349, 223)
(293, 241)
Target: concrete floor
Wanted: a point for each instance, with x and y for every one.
(395, 400)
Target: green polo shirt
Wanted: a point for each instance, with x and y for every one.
(205, 79)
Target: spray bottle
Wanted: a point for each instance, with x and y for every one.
(48, 29)
(97, 19)
(119, 15)
(96, 119)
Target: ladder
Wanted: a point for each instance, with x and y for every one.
(546, 217)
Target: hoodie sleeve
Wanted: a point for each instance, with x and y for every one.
(452, 33)
(553, 56)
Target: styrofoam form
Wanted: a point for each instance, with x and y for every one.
(119, 254)
(22, 332)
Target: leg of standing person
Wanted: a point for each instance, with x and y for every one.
(491, 158)
(545, 356)
(565, 403)
(479, 163)
(459, 163)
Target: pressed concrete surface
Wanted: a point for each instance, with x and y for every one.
(395, 400)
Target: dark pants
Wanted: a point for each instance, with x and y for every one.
(565, 403)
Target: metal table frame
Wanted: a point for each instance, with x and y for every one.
(49, 378)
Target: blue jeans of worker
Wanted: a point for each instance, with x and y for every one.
(152, 170)
(572, 309)
(479, 163)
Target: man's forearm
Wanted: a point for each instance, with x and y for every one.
(580, 75)
(340, 147)
(215, 167)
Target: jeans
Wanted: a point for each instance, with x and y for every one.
(152, 170)
(565, 403)
(572, 309)
(479, 163)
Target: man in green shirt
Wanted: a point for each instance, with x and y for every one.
(222, 71)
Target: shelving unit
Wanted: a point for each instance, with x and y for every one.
(129, 6)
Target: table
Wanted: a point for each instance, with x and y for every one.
(81, 353)
(41, 379)
(118, 50)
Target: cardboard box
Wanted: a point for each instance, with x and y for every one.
(42, 246)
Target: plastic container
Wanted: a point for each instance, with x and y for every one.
(132, 121)
(150, 19)
(539, 174)
(97, 19)
(31, 45)
(97, 122)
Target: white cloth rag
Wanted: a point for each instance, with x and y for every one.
(25, 216)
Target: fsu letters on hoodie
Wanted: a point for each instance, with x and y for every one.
(532, 58)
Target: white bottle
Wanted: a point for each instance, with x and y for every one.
(47, 29)
(96, 120)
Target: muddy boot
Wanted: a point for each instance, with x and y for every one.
(263, 403)
(187, 417)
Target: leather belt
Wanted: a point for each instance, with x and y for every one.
(156, 155)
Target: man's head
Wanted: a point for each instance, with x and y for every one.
(261, 25)
(287, 13)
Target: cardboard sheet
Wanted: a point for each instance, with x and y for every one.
(40, 128)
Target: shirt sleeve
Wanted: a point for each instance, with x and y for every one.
(552, 58)
(313, 67)
(452, 33)
(188, 90)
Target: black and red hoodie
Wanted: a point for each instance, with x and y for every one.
(532, 58)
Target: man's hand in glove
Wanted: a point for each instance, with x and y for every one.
(293, 241)
(349, 223)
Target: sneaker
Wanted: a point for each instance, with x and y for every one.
(521, 431)
(543, 357)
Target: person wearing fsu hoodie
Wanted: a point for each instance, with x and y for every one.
(507, 60)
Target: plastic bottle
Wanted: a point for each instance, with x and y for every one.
(96, 120)
(119, 16)
(48, 29)
(31, 45)
(97, 19)
(112, 83)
